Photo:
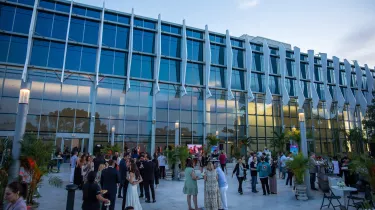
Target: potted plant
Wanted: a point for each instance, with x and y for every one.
(211, 141)
(298, 166)
(182, 153)
(35, 157)
(170, 153)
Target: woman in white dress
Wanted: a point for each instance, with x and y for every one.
(134, 178)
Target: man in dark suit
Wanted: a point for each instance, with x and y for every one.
(123, 181)
(109, 180)
(148, 179)
(141, 171)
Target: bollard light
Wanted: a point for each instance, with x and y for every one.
(177, 125)
(24, 96)
(113, 128)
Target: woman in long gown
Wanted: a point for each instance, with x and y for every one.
(134, 178)
(78, 179)
(212, 199)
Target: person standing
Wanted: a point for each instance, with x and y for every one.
(223, 161)
(190, 185)
(134, 178)
(141, 170)
(15, 194)
(87, 168)
(157, 170)
(254, 175)
(282, 162)
(223, 187)
(91, 194)
(98, 161)
(162, 161)
(313, 170)
(289, 179)
(78, 178)
(264, 170)
(73, 163)
(240, 170)
(272, 178)
(148, 179)
(99, 174)
(212, 200)
(203, 162)
(109, 180)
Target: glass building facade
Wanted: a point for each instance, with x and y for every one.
(94, 71)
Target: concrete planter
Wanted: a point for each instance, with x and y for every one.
(301, 192)
(168, 175)
(182, 176)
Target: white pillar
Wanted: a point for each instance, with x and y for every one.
(229, 65)
(297, 59)
(130, 52)
(66, 41)
(99, 51)
(184, 54)
(176, 143)
(29, 41)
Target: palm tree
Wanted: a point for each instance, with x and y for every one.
(280, 141)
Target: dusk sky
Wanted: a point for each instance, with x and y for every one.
(342, 28)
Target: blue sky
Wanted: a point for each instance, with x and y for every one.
(344, 28)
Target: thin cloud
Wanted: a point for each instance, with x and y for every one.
(246, 4)
(357, 39)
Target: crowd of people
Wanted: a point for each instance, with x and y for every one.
(135, 175)
(103, 179)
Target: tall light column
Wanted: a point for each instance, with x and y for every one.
(23, 109)
(301, 118)
(113, 135)
(176, 143)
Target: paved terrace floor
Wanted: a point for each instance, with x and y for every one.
(169, 196)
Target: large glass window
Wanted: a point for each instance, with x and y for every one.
(56, 55)
(257, 62)
(257, 82)
(144, 23)
(91, 32)
(194, 33)
(330, 76)
(81, 58)
(170, 28)
(320, 91)
(318, 73)
(76, 29)
(86, 12)
(4, 46)
(39, 53)
(171, 46)
(44, 24)
(116, 18)
(195, 50)
(142, 66)
(238, 79)
(274, 85)
(17, 51)
(6, 17)
(218, 77)
(238, 58)
(88, 58)
(143, 41)
(22, 20)
(304, 71)
(60, 26)
(218, 54)
(290, 85)
(290, 67)
(169, 70)
(306, 88)
(194, 74)
(274, 65)
(115, 36)
(84, 31)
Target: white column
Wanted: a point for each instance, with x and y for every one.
(66, 41)
(207, 60)
(229, 65)
(266, 65)
(297, 58)
(370, 85)
(29, 41)
(360, 97)
(99, 51)
(314, 94)
(158, 57)
(327, 94)
(249, 63)
(339, 97)
(349, 93)
(285, 94)
(184, 55)
(130, 52)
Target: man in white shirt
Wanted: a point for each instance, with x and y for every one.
(73, 162)
(283, 161)
(162, 162)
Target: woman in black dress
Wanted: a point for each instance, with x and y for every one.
(78, 178)
(91, 194)
(157, 171)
